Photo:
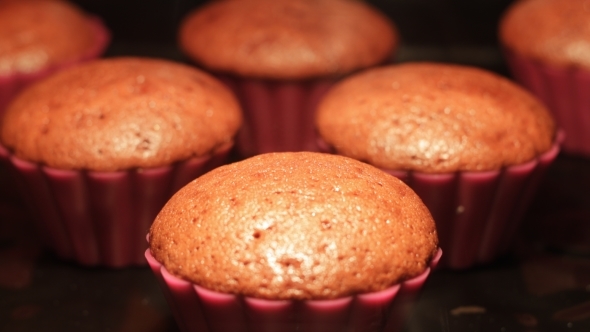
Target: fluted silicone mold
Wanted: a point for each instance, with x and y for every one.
(101, 218)
(11, 85)
(278, 116)
(566, 91)
(198, 309)
(477, 214)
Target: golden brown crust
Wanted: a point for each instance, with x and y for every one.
(287, 39)
(297, 225)
(434, 118)
(553, 31)
(121, 113)
(37, 34)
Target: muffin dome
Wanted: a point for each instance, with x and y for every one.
(552, 31)
(37, 34)
(298, 225)
(287, 39)
(120, 113)
(434, 118)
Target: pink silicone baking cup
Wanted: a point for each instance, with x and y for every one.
(199, 309)
(477, 214)
(101, 218)
(11, 85)
(278, 116)
(565, 91)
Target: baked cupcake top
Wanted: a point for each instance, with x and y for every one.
(37, 34)
(120, 113)
(552, 31)
(287, 39)
(434, 118)
(295, 225)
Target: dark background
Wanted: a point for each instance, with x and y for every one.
(461, 31)
(543, 285)
(423, 22)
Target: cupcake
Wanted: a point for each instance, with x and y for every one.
(39, 37)
(292, 241)
(100, 147)
(281, 56)
(547, 48)
(473, 145)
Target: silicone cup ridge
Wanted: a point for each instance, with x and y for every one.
(199, 309)
(100, 218)
(477, 214)
(278, 116)
(564, 91)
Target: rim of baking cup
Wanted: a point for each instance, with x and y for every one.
(100, 218)
(198, 308)
(456, 201)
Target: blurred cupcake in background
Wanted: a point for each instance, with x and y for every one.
(39, 37)
(297, 241)
(100, 147)
(473, 145)
(281, 56)
(547, 47)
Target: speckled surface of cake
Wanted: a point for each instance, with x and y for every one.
(287, 39)
(39, 34)
(295, 226)
(552, 31)
(121, 113)
(434, 118)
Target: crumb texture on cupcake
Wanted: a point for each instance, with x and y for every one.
(121, 113)
(37, 34)
(551, 31)
(298, 225)
(435, 118)
(287, 39)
